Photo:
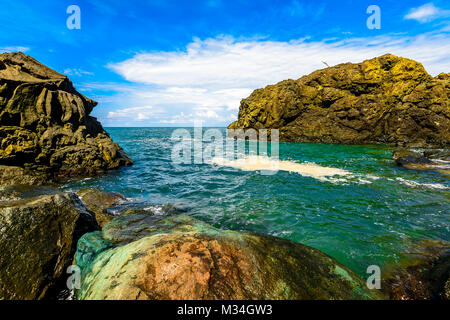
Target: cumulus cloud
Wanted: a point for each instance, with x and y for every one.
(426, 13)
(209, 78)
(228, 63)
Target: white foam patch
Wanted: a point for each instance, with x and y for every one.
(156, 210)
(411, 183)
(256, 163)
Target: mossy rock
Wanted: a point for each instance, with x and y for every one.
(179, 257)
(384, 100)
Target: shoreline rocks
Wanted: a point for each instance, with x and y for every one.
(39, 230)
(45, 126)
(384, 100)
(46, 135)
(147, 257)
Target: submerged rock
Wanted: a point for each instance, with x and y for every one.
(45, 125)
(423, 275)
(385, 100)
(178, 257)
(38, 238)
(409, 158)
(429, 160)
(99, 202)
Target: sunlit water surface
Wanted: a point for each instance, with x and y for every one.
(351, 202)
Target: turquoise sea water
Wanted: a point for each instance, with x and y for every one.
(369, 216)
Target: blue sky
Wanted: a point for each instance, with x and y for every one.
(168, 63)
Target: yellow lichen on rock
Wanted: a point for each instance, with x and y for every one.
(45, 123)
(384, 100)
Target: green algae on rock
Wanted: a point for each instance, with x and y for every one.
(39, 230)
(385, 100)
(178, 257)
(45, 125)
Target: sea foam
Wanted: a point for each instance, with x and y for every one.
(255, 163)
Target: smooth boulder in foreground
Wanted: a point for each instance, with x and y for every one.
(147, 257)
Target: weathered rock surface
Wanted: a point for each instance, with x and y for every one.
(45, 124)
(148, 257)
(38, 238)
(385, 100)
(99, 202)
(12, 175)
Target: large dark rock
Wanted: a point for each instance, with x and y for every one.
(39, 230)
(141, 256)
(45, 124)
(385, 100)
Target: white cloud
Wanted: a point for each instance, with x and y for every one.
(14, 49)
(200, 97)
(77, 72)
(210, 77)
(136, 113)
(426, 13)
(225, 63)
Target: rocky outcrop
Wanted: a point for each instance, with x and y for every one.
(99, 202)
(45, 125)
(39, 230)
(385, 100)
(148, 257)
